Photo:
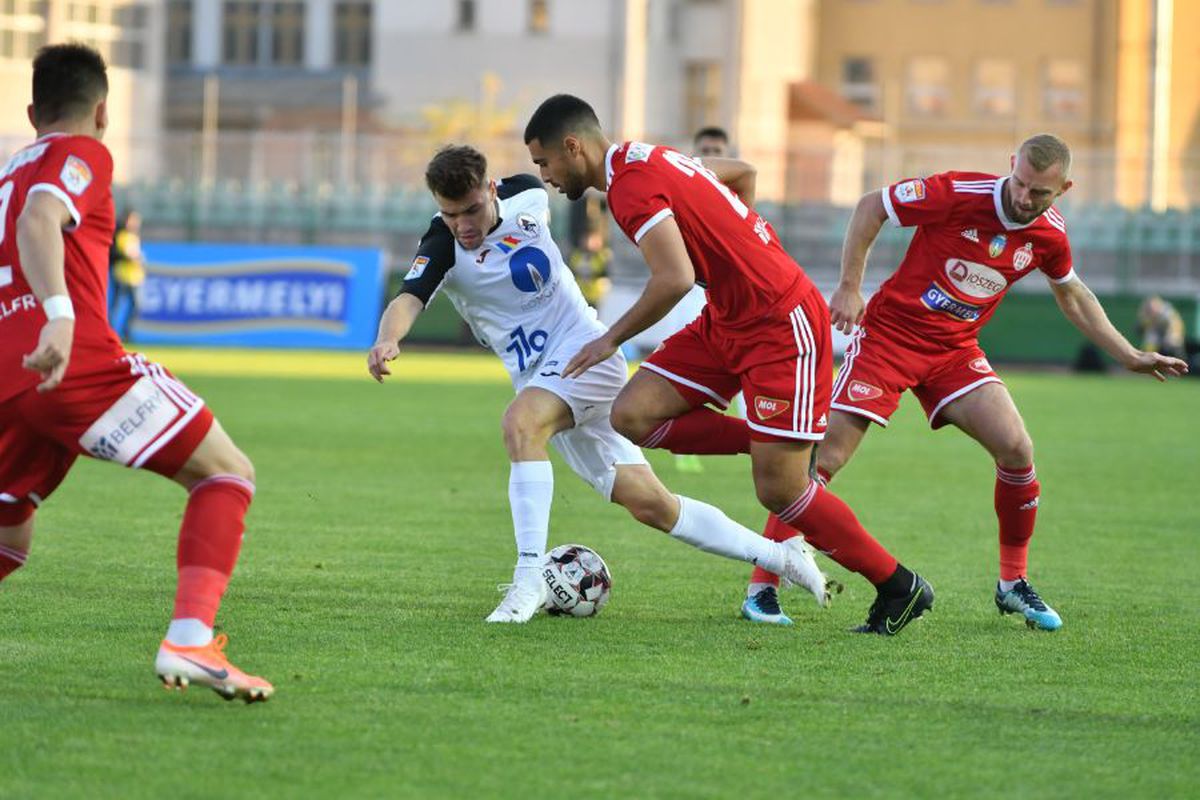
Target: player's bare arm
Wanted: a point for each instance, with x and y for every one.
(40, 244)
(847, 305)
(671, 277)
(397, 321)
(740, 176)
(1080, 305)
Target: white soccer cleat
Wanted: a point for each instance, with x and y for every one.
(800, 569)
(521, 601)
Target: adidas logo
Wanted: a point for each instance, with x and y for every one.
(971, 234)
(822, 422)
(1031, 505)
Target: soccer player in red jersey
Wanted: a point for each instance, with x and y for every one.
(71, 390)
(764, 331)
(977, 234)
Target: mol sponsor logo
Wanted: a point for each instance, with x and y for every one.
(767, 407)
(858, 391)
(973, 279)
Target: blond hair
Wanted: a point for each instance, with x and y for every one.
(1045, 150)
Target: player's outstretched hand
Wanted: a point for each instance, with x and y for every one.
(589, 356)
(1158, 365)
(846, 308)
(377, 358)
(52, 354)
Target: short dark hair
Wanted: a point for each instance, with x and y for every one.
(68, 81)
(711, 132)
(558, 116)
(455, 171)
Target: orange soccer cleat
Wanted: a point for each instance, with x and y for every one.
(179, 666)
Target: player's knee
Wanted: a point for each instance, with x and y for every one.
(777, 494)
(649, 504)
(628, 421)
(521, 430)
(1016, 452)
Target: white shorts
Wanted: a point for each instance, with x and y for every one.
(592, 448)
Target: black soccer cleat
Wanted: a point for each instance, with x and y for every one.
(889, 615)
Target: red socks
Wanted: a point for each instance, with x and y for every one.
(701, 431)
(11, 559)
(209, 540)
(1017, 493)
(831, 527)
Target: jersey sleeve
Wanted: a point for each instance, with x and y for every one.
(78, 171)
(919, 201)
(638, 202)
(435, 257)
(515, 184)
(1059, 266)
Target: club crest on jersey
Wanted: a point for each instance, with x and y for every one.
(527, 223)
(530, 269)
(508, 244)
(910, 191)
(1023, 257)
(863, 391)
(418, 267)
(75, 175)
(981, 366)
(767, 407)
(997, 244)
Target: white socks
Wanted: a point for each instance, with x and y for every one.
(188, 633)
(530, 492)
(707, 528)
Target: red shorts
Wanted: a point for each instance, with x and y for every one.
(130, 411)
(784, 368)
(876, 371)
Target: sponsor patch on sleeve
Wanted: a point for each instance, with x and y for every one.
(76, 175)
(910, 191)
(638, 151)
(418, 267)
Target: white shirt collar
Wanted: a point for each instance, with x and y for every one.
(608, 167)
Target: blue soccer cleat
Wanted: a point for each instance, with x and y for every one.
(1022, 599)
(764, 607)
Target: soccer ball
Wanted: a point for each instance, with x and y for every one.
(577, 581)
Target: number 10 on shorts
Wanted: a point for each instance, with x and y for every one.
(526, 345)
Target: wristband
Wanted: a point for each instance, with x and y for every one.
(58, 307)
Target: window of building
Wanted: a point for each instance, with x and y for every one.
(1062, 92)
(287, 34)
(995, 88)
(352, 34)
(928, 86)
(179, 32)
(466, 16)
(858, 82)
(702, 94)
(539, 16)
(239, 32)
(22, 29)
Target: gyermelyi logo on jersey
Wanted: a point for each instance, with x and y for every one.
(938, 299)
(530, 269)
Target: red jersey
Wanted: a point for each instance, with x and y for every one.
(746, 273)
(963, 258)
(78, 171)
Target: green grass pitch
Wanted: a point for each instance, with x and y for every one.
(381, 528)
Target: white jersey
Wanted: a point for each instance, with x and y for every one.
(514, 290)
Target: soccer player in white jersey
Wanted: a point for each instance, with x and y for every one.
(489, 248)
